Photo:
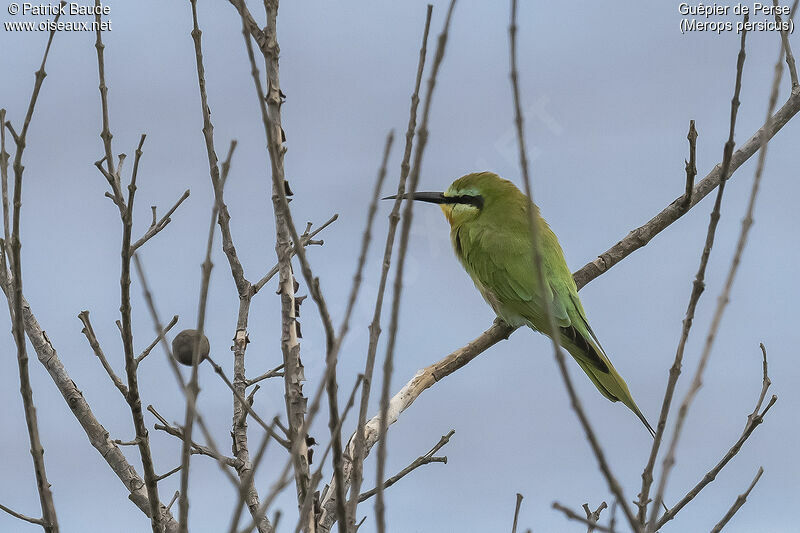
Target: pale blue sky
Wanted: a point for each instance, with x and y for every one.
(608, 93)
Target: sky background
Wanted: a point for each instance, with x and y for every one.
(608, 92)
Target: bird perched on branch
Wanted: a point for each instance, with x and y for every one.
(490, 232)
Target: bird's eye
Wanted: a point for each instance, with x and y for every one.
(469, 199)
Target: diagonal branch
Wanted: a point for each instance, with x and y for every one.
(723, 299)
(356, 445)
(88, 330)
(24, 518)
(97, 434)
(605, 468)
(49, 519)
(697, 287)
(157, 226)
(740, 500)
(754, 420)
(419, 461)
(422, 136)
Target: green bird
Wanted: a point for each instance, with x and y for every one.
(490, 232)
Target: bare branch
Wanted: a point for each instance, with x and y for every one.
(642, 235)
(724, 296)
(785, 42)
(98, 351)
(134, 442)
(285, 232)
(133, 398)
(306, 239)
(49, 519)
(356, 445)
(164, 476)
(174, 497)
(247, 485)
(691, 164)
(275, 372)
(754, 419)
(177, 431)
(697, 289)
(156, 227)
(105, 134)
(267, 427)
(419, 461)
(572, 515)
(612, 482)
(37, 521)
(4, 179)
(405, 232)
(593, 516)
(516, 513)
(740, 500)
(153, 344)
(311, 496)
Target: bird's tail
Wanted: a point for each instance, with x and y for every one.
(584, 347)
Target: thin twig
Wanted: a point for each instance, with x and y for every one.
(247, 485)
(593, 516)
(691, 164)
(153, 344)
(193, 390)
(133, 398)
(612, 482)
(516, 513)
(284, 225)
(405, 232)
(37, 521)
(316, 477)
(740, 500)
(723, 299)
(419, 461)
(290, 346)
(754, 420)
(307, 239)
(267, 427)
(178, 376)
(88, 330)
(105, 134)
(164, 476)
(156, 227)
(197, 449)
(275, 372)
(174, 497)
(133, 442)
(4, 179)
(356, 446)
(572, 515)
(333, 351)
(49, 519)
(697, 289)
(785, 42)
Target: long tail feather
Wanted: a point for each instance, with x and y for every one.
(604, 376)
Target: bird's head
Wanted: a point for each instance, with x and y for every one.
(471, 196)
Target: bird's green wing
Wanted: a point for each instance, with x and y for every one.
(500, 265)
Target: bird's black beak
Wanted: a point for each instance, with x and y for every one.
(431, 197)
